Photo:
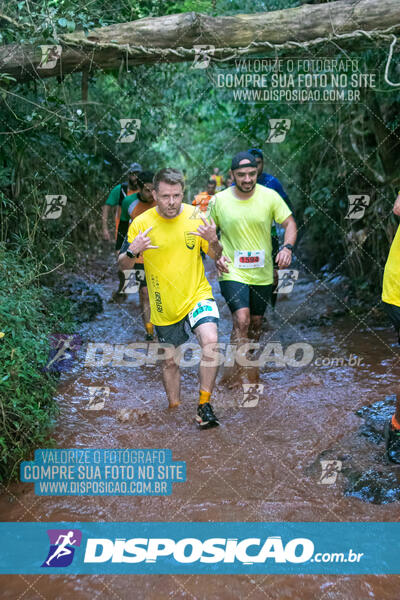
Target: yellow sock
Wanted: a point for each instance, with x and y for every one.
(204, 397)
(149, 328)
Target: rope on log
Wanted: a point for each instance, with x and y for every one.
(181, 52)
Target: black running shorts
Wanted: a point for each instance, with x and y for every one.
(176, 333)
(122, 231)
(393, 313)
(240, 295)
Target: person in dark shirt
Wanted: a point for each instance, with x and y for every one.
(269, 181)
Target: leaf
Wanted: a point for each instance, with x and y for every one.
(62, 22)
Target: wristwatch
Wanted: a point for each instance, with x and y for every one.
(289, 246)
(130, 254)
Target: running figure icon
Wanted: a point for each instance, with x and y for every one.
(62, 549)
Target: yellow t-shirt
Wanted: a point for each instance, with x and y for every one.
(391, 276)
(174, 271)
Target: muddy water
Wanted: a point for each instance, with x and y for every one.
(261, 464)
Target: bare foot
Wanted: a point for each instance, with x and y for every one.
(173, 404)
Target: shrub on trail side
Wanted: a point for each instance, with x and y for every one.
(29, 314)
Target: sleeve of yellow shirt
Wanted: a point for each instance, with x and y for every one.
(204, 245)
(281, 211)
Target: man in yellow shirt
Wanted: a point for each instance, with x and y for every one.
(391, 303)
(179, 292)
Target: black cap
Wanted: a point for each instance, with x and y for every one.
(237, 159)
(135, 168)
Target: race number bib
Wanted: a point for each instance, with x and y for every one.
(204, 308)
(249, 259)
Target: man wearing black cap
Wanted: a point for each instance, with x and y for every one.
(119, 197)
(244, 213)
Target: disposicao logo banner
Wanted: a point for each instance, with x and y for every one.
(145, 548)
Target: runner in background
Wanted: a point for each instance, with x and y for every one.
(116, 198)
(229, 180)
(391, 303)
(271, 182)
(138, 204)
(170, 238)
(244, 213)
(218, 178)
(202, 199)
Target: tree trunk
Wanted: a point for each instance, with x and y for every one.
(171, 38)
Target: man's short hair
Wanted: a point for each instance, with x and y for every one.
(145, 177)
(211, 182)
(168, 175)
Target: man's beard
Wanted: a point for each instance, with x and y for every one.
(247, 190)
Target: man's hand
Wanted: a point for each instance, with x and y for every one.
(396, 207)
(141, 242)
(284, 258)
(222, 264)
(106, 235)
(208, 231)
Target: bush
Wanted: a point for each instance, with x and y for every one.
(28, 315)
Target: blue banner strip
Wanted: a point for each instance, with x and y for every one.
(207, 548)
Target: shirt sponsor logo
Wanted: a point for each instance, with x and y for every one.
(190, 240)
(157, 296)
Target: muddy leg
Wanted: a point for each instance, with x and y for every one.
(239, 336)
(172, 381)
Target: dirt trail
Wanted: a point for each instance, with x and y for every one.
(256, 467)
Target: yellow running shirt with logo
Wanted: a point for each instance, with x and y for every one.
(246, 232)
(391, 276)
(174, 271)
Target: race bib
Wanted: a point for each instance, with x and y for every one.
(204, 308)
(250, 259)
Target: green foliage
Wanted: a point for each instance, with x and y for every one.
(28, 315)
